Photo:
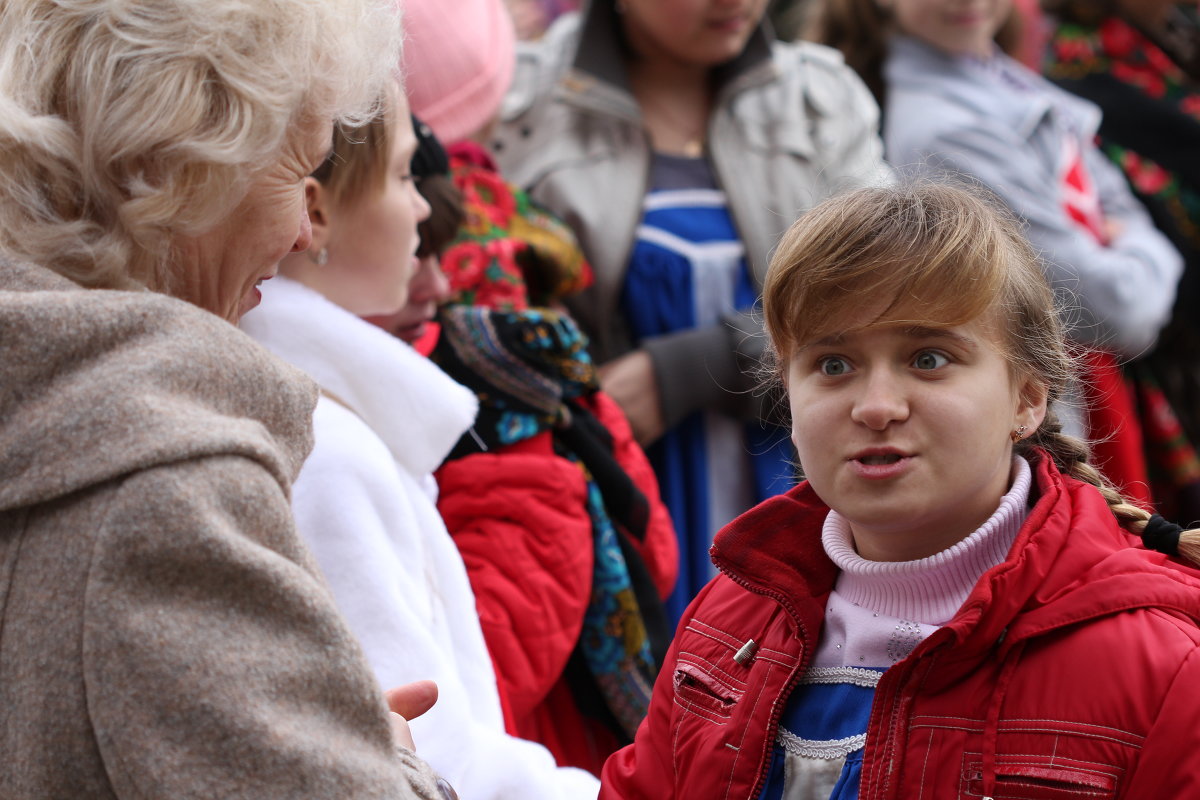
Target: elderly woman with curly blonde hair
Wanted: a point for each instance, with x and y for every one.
(165, 633)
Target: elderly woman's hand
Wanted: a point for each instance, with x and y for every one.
(409, 702)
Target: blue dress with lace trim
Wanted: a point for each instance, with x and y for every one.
(688, 270)
(819, 747)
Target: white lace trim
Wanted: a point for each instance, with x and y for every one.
(856, 676)
(827, 749)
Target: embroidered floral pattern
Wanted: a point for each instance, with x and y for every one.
(1115, 49)
(1118, 49)
(509, 253)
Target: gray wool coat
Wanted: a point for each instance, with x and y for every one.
(163, 632)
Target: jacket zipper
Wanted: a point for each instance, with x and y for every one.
(897, 702)
(793, 679)
(891, 699)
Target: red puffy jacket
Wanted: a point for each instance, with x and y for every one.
(1072, 670)
(519, 519)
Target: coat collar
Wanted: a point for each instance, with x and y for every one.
(1070, 562)
(416, 409)
(775, 549)
(97, 383)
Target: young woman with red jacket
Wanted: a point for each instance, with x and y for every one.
(954, 604)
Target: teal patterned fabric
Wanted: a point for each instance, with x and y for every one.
(528, 369)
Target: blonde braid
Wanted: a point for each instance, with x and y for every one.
(1071, 456)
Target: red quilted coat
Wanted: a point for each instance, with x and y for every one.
(519, 519)
(1071, 671)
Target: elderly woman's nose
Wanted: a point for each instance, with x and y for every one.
(304, 239)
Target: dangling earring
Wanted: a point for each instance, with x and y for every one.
(1018, 434)
(320, 258)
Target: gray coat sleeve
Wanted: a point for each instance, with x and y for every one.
(1117, 297)
(732, 377)
(215, 661)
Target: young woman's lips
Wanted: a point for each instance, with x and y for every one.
(730, 25)
(880, 465)
(410, 333)
(968, 19)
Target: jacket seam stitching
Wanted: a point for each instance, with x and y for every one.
(702, 663)
(745, 732)
(699, 711)
(1040, 719)
(732, 642)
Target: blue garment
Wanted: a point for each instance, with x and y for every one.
(688, 270)
(822, 733)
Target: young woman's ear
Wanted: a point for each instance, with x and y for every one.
(1032, 403)
(317, 200)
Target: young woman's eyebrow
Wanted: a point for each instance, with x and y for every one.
(911, 331)
(831, 340)
(925, 332)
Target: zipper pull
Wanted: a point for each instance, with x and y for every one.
(745, 653)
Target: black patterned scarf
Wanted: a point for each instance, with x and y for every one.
(530, 369)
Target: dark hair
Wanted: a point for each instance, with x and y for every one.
(430, 157)
(446, 214)
(1081, 12)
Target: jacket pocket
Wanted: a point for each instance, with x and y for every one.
(708, 682)
(700, 690)
(1028, 781)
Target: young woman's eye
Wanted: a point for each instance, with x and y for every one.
(930, 359)
(833, 366)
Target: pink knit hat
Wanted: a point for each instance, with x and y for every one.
(459, 57)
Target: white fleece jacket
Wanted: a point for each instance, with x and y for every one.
(365, 504)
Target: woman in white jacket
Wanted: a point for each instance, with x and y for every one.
(365, 499)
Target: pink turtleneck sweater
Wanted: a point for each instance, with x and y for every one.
(879, 611)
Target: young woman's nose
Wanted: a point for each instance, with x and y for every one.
(430, 284)
(421, 206)
(440, 291)
(881, 402)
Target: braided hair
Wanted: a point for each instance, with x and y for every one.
(1071, 455)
